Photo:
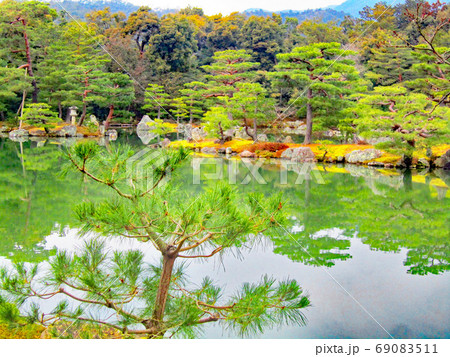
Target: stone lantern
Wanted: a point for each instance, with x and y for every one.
(73, 115)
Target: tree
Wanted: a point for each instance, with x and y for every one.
(192, 96)
(216, 120)
(156, 99)
(322, 72)
(142, 25)
(180, 110)
(251, 103)
(41, 115)
(164, 303)
(407, 119)
(388, 64)
(12, 82)
(263, 37)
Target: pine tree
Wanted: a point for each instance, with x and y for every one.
(156, 99)
(322, 72)
(156, 301)
(39, 114)
(407, 119)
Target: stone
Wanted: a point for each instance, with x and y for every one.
(210, 151)
(300, 154)
(382, 139)
(288, 140)
(37, 132)
(221, 151)
(228, 151)
(19, 133)
(198, 134)
(362, 156)
(165, 143)
(423, 162)
(4, 129)
(229, 132)
(247, 154)
(443, 161)
(145, 124)
(241, 134)
(112, 134)
(339, 159)
(262, 138)
(93, 120)
(68, 130)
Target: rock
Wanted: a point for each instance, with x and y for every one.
(228, 151)
(37, 132)
(102, 129)
(4, 129)
(339, 159)
(423, 162)
(112, 134)
(229, 132)
(247, 153)
(19, 133)
(300, 154)
(374, 141)
(165, 143)
(288, 140)
(241, 134)
(198, 134)
(262, 138)
(443, 161)
(93, 120)
(210, 151)
(222, 151)
(361, 156)
(68, 130)
(145, 124)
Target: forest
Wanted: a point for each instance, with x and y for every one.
(84, 231)
(385, 70)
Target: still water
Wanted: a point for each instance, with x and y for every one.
(370, 247)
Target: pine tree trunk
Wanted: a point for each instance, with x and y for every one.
(60, 110)
(309, 118)
(110, 115)
(83, 115)
(159, 112)
(162, 293)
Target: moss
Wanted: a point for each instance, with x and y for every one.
(21, 332)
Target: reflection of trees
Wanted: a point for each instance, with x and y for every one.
(34, 200)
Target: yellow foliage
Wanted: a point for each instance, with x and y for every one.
(22, 332)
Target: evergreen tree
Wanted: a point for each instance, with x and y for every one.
(156, 301)
(39, 114)
(156, 99)
(322, 72)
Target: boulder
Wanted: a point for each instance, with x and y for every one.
(93, 120)
(229, 132)
(228, 151)
(300, 154)
(145, 124)
(362, 156)
(68, 130)
(262, 138)
(247, 154)
(37, 132)
(221, 151)
(19, 133)
(423, 162)
(210, 151)
(4, 129)
(288, 140)
(165, 143)
(443, 161)
(112, 134)
(382, 139)
(241, 134)
(198, 134)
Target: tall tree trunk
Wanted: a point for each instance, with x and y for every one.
(60, 110)
(191, 116)
(83, 114)
(162, 293)
(110, 115)
(159, 112)
(309, 118)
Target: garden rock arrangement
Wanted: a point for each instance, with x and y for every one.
(299, 154)
(362, 156)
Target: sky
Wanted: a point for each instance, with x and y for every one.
(212, 7)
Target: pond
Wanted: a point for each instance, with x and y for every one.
(370, 247)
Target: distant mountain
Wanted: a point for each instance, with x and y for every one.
(353, 7)
(80, 8)
(302, 15)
